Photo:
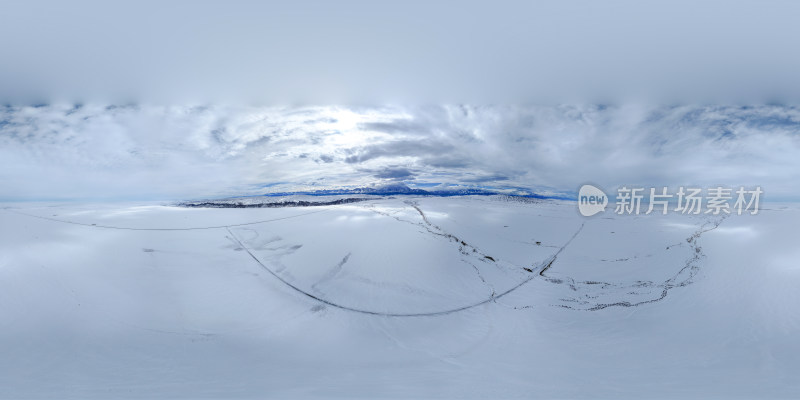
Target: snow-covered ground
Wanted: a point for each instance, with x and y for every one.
(405, 297)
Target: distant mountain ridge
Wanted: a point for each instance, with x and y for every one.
(397, 189)
(342, 196)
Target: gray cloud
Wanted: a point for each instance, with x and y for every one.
(484, 178)
(400, 148)
(394, 173)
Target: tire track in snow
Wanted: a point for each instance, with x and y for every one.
(162, 229)
(680, 279)
(331, 303)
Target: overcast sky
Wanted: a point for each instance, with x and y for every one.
(190, 99)
(64, 151)
(370, 52)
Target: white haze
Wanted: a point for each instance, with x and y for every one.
(404, 52)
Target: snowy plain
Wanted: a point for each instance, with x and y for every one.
(405, 297)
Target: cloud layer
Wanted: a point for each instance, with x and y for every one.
(138, 151)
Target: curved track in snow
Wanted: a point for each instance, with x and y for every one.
(162, 229)
(492, 298)
(681, 278)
